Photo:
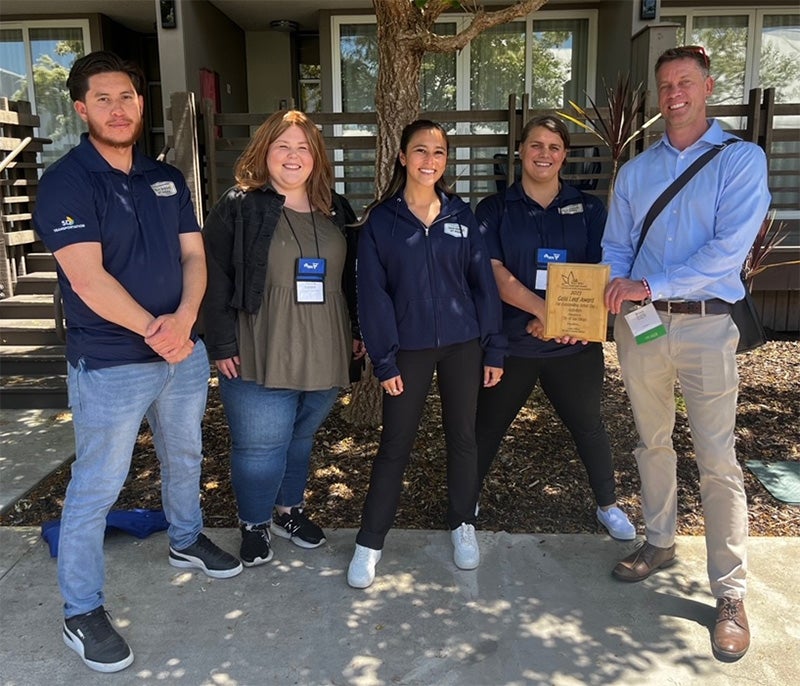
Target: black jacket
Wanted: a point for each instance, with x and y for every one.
(237, 235)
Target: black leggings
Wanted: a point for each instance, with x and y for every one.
(574, 386)
(459, 374)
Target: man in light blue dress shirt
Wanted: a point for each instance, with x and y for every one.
(689, 267)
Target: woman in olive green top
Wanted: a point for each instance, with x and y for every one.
(278, 325)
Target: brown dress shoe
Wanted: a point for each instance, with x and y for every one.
(731, 636)
(643, 561)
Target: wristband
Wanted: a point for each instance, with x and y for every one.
(647, 289)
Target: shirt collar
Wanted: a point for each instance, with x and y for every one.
(714, 135)
(566, 194)
(95, 162)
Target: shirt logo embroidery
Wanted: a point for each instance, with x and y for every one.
(67, 224)
(164, 189)
(456, 230)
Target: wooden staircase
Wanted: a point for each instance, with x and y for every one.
(32, 363)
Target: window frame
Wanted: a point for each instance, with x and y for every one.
(755, 28)
(463, 57)
(83, 24)
(25, 27)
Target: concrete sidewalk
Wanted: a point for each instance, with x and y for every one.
(34, 444)
(541, 609)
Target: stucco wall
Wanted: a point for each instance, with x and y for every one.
(184, 52)
(270, 78)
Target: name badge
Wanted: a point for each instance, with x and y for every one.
(576, 208)
(543, 257)
(309, 280)
(456, 230)
(645, 324)
(164, 189)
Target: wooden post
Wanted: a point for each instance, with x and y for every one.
(211, 151)
(769, 120)
(184, 140)
(511, 139)
(753, 128)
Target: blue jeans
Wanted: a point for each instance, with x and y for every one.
(108, 406)
(272, 432)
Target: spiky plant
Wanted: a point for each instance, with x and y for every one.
(614, 129)
(769, 237)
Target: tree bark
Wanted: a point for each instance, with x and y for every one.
(366, 400)
(397, 99)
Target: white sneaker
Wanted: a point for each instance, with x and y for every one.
(466, 554)
(617, 523)
(361, 572)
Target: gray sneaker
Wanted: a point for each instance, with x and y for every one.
(361, 572)
(205, 555)
(616, 523)
(466, 553)
(97, 642)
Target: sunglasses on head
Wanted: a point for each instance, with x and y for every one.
(691, 51)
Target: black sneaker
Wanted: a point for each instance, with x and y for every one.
(256, 548)
(203, 554)
(97, 642)
(298, 528)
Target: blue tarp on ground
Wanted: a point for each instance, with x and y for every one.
(139, 523)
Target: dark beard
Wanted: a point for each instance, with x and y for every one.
(97, 135)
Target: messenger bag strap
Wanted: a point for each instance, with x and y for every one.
(672, 190)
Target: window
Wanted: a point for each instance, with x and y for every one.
(35, 58)
(548, 58)
(497, 66)
(309, 89)
(748, 49)
(560, 66)
(779, 56)
(753, 49)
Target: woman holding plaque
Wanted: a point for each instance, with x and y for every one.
(277, 314)
(541, 219)
(427, 302)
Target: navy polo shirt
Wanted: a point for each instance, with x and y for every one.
(137, 218)
(516, 227)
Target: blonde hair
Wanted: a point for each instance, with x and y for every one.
(251, 169)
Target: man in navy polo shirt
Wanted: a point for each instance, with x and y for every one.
(132, 273)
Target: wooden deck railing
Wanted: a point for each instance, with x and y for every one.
(19, 179)
(483, 141)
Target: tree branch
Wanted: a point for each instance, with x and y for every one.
(435, 8)
(481, 21)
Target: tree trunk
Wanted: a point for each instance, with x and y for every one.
(397, 104)
(366, 400)
(397, 99)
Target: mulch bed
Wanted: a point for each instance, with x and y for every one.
(537, 483)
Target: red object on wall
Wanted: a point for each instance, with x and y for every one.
(209, 90)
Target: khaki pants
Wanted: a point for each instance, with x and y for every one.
(700, 351)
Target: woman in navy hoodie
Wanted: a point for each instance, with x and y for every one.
(427, 301)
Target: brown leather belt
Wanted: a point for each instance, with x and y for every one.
(712, 306)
